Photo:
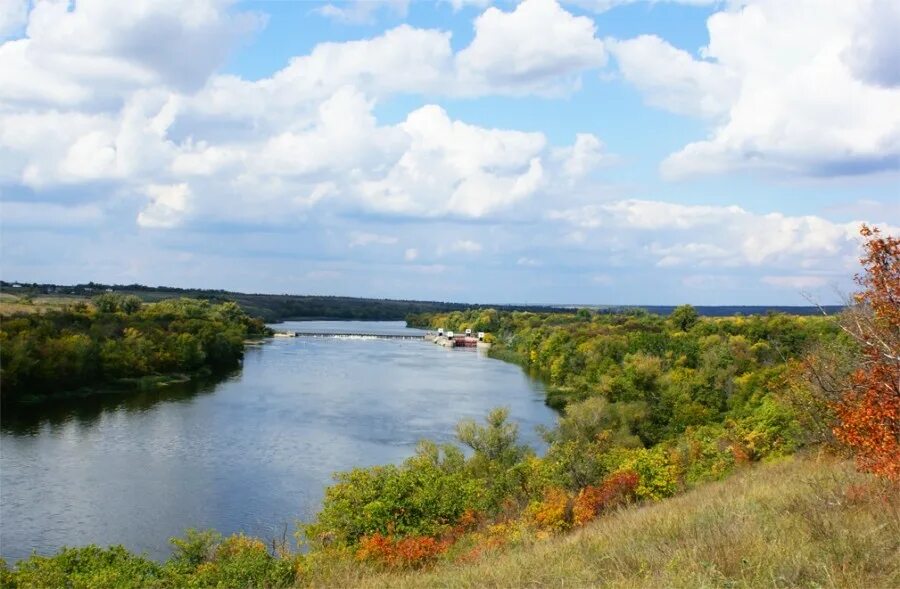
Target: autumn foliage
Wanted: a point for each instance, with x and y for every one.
(553, 513)
(614, 491)
(869, 412)
(399, 553)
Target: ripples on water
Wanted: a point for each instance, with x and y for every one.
(251, 452)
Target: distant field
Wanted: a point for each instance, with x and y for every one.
(11, 304)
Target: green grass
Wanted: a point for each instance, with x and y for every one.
(796, 523)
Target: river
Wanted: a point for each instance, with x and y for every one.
(252, 451)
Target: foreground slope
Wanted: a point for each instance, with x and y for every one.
(801, 522)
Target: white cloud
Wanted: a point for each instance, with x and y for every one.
(167, 207)
(411, 254)
(672, 79)
(798, 87)
(97, 50)
(674, 235)
(529, 262)
(538, 47)
(107, 108)
(402, 59)
(585, 155)
(451, 168)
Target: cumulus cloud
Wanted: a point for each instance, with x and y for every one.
(805, 87)
(451, 168)
(674, 235)
(98, 104)
(673, 79)
(581, 158)
(94, 51)
(538, 47)
(167, 207)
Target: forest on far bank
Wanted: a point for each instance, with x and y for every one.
(268, 307)
(30, 297)
(119, 341)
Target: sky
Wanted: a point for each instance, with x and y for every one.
(561, 152)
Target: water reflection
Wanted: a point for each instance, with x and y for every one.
(25, 420)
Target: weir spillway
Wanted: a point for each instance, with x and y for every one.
(348, 335)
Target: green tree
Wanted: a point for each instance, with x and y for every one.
(684, 317)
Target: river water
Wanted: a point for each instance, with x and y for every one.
(250, 452)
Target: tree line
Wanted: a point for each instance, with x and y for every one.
(117, 338)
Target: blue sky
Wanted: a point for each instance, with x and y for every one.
(583, 152)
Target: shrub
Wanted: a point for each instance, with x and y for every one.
(553, 514)
(242, 561)
(616, 490)
(421, 498)
(408, 552)
(659, 473)
(86, 567)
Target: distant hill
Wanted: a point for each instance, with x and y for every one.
(268, 306)
(725, 310)
(286, 306)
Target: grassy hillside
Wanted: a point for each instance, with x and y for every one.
(794, 523)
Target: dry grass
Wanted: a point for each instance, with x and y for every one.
(797, 523)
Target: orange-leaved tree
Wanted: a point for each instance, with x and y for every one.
(869, 411)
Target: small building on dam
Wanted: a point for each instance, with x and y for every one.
(450, 339)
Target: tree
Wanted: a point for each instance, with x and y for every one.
(497, 440)
(108, 302)
(684, 317)
(130, 304)
(869, 412)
